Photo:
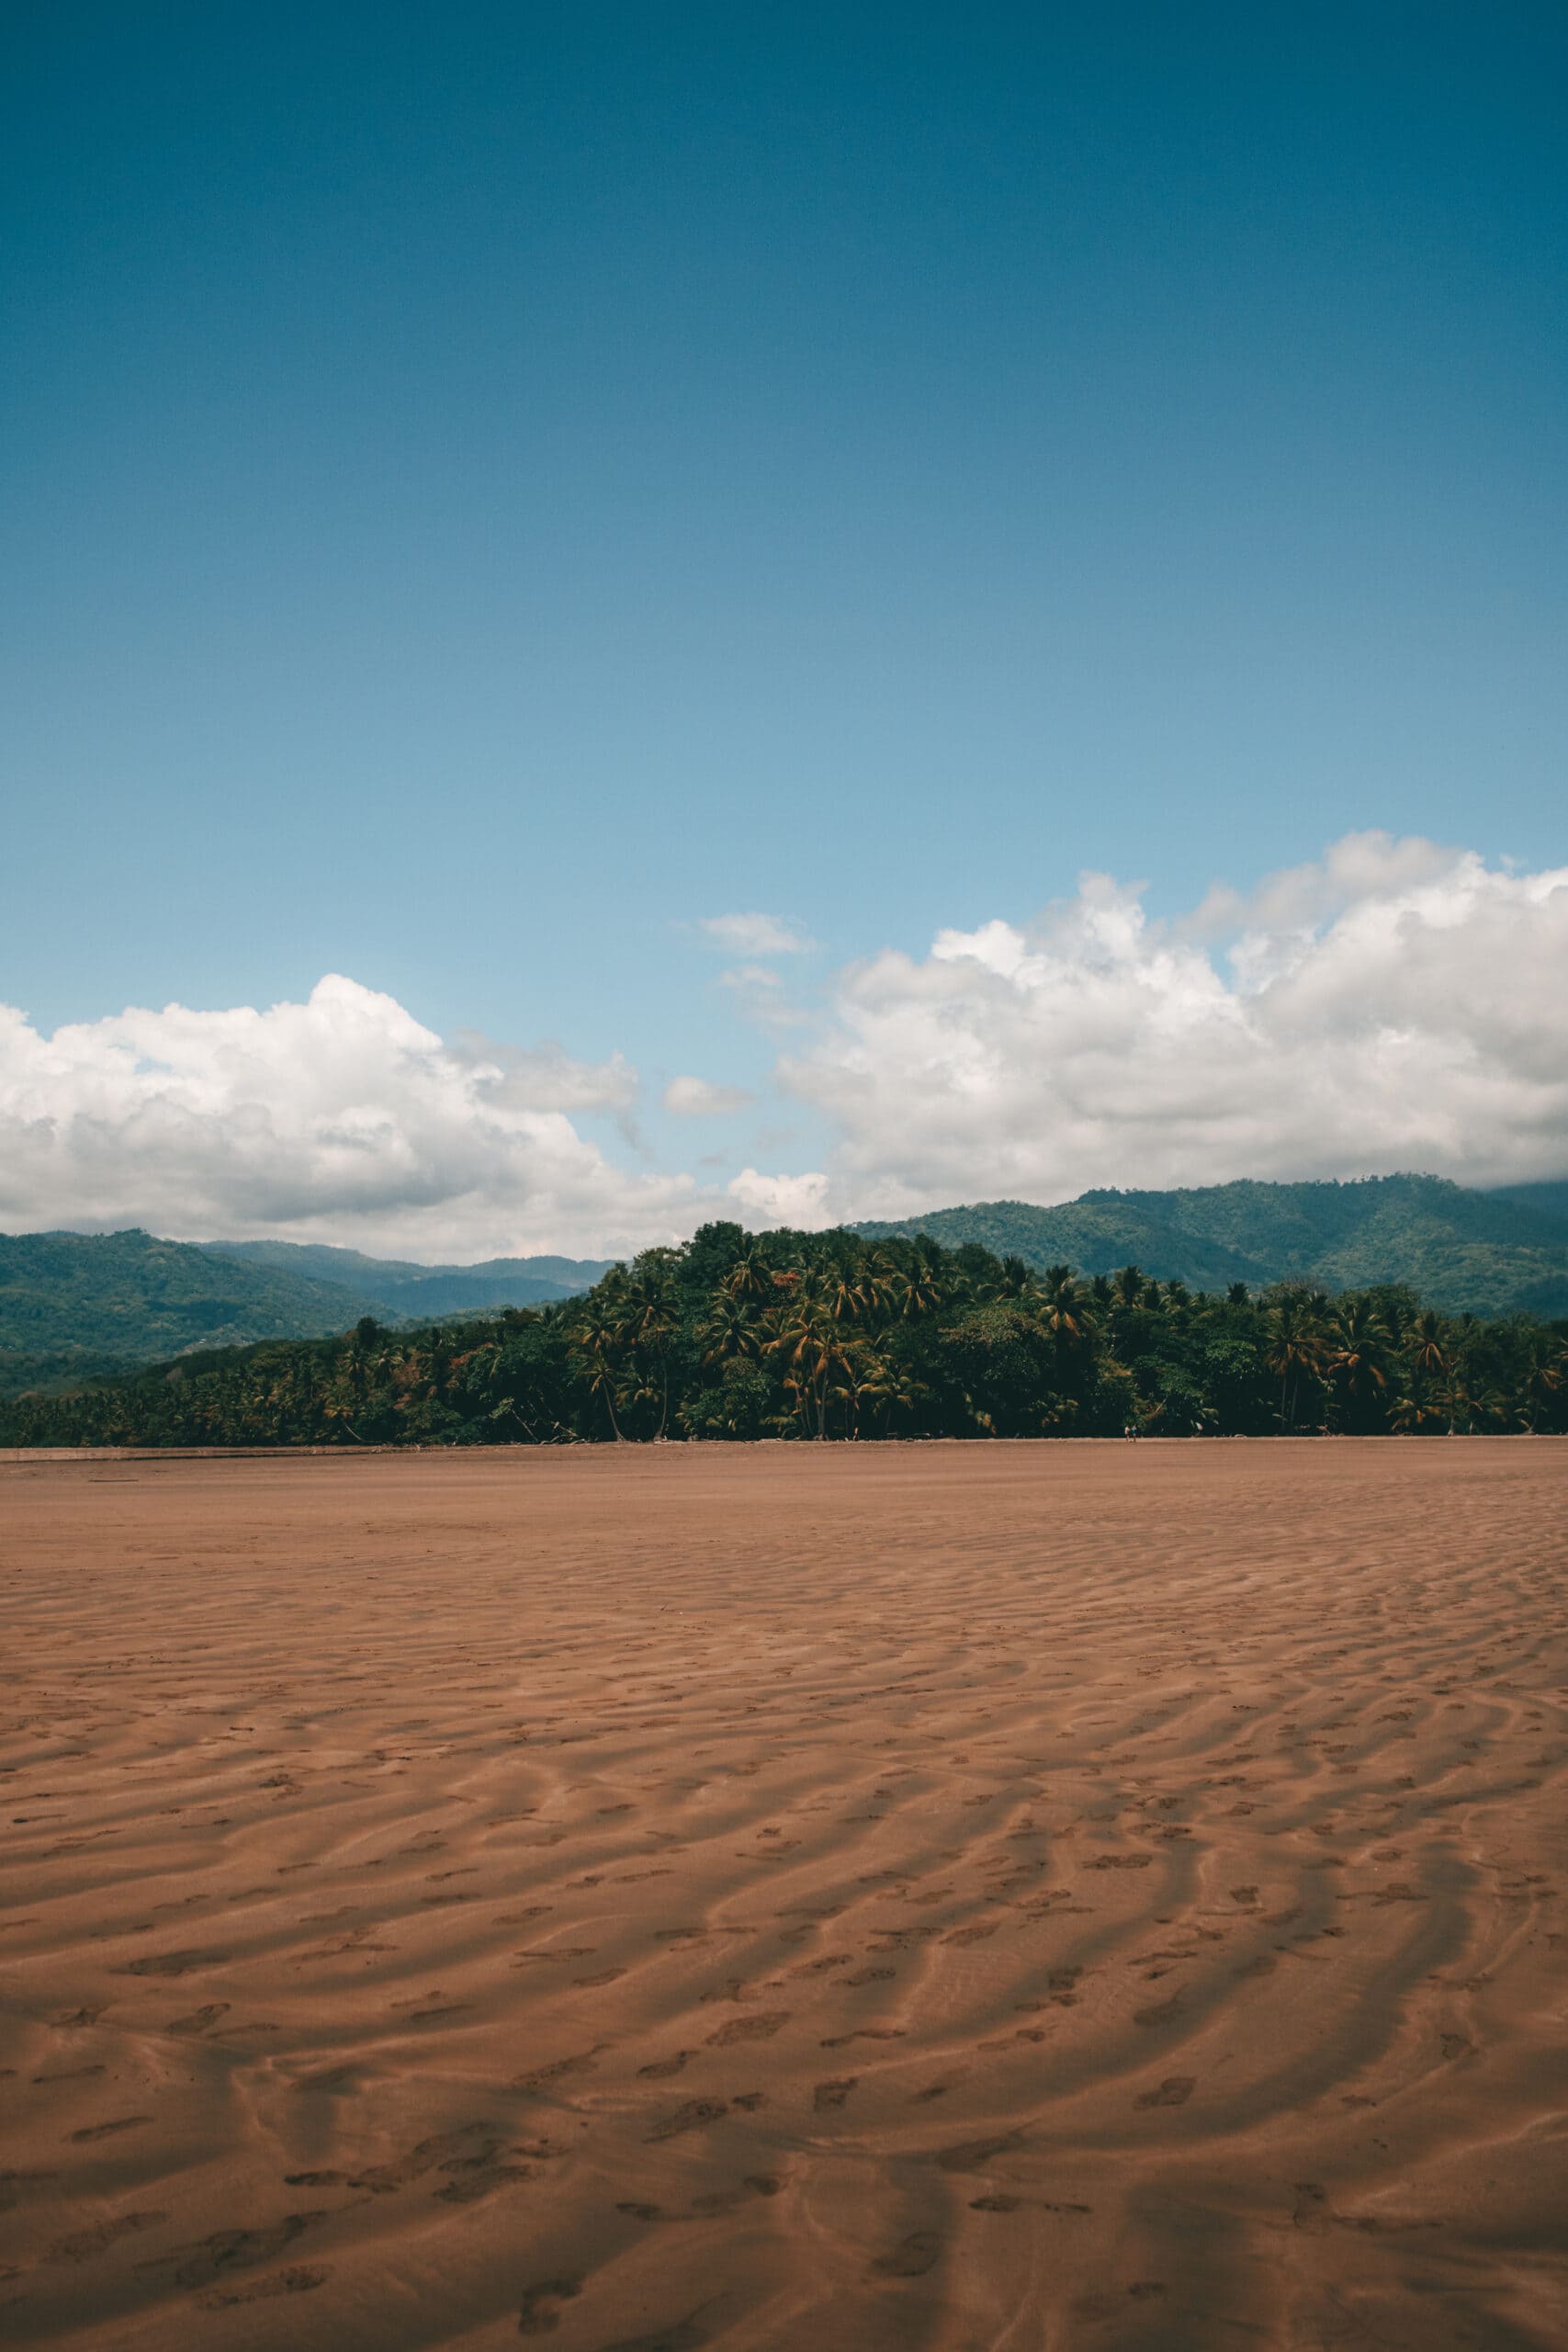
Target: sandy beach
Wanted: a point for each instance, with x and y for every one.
(978, 1898)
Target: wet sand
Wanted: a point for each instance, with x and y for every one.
(961, 1897)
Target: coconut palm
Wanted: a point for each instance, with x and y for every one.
(751, 1277)
(1546, 1373)
(1129, 1286)
(1064, 1309)
(1428, 1346)
(1356, 1353)
(810, 1350)
(1294, 1347)
(729, 1328)
(916, 1291)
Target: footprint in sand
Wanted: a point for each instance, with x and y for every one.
(228, 2250)
(83, 2245)
(299, 2280)
(1175, 2091)
(833, 2093)
(757, 2029)
(200, 2020)
(582, 2063)
(442, 2148)
(971, 2154)
(917, 2254)
(164, 1963)
(538, 2315)
(690, 2118)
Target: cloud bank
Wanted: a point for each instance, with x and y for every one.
(1396, 1005)
(341, 1119)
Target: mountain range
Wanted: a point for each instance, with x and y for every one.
(1500, 1252)
(74, 1305)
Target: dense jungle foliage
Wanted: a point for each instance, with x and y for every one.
(818, 1336)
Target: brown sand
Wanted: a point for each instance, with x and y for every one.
(988, 1896)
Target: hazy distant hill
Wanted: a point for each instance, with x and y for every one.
(1549, 1200)
(74, 1303)
(401, 1287)
(1490, 1253)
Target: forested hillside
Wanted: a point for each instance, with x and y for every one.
(1466, 1252)
(77, 1304)
(817, 1336)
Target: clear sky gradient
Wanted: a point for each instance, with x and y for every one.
(485, 487)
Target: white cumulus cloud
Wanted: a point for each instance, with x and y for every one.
(1398, 1006)
(800, 1200)
(341, 1119)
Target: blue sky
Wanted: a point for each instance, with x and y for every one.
(486, 488)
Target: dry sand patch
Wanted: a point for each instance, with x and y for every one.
(924, 1897)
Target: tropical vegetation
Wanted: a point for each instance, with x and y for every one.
(1464, 1252)
(836, 1337)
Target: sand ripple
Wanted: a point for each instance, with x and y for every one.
(950, 1897)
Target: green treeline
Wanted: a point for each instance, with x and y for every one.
(832, 1335)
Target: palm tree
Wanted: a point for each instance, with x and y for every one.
(1064, 1310)
(811, 1348)
(1294, 1348)
(1356, 1355)
(1544, 1380)
(652, 1318)
(1428, 1346)
(916, 1292)
(601, 1338)
(727, 1328)
(750, 1276)
(599, 1372)
(1128, 1286)
(846, 1291)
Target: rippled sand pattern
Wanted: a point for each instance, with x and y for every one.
(989, 1896)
